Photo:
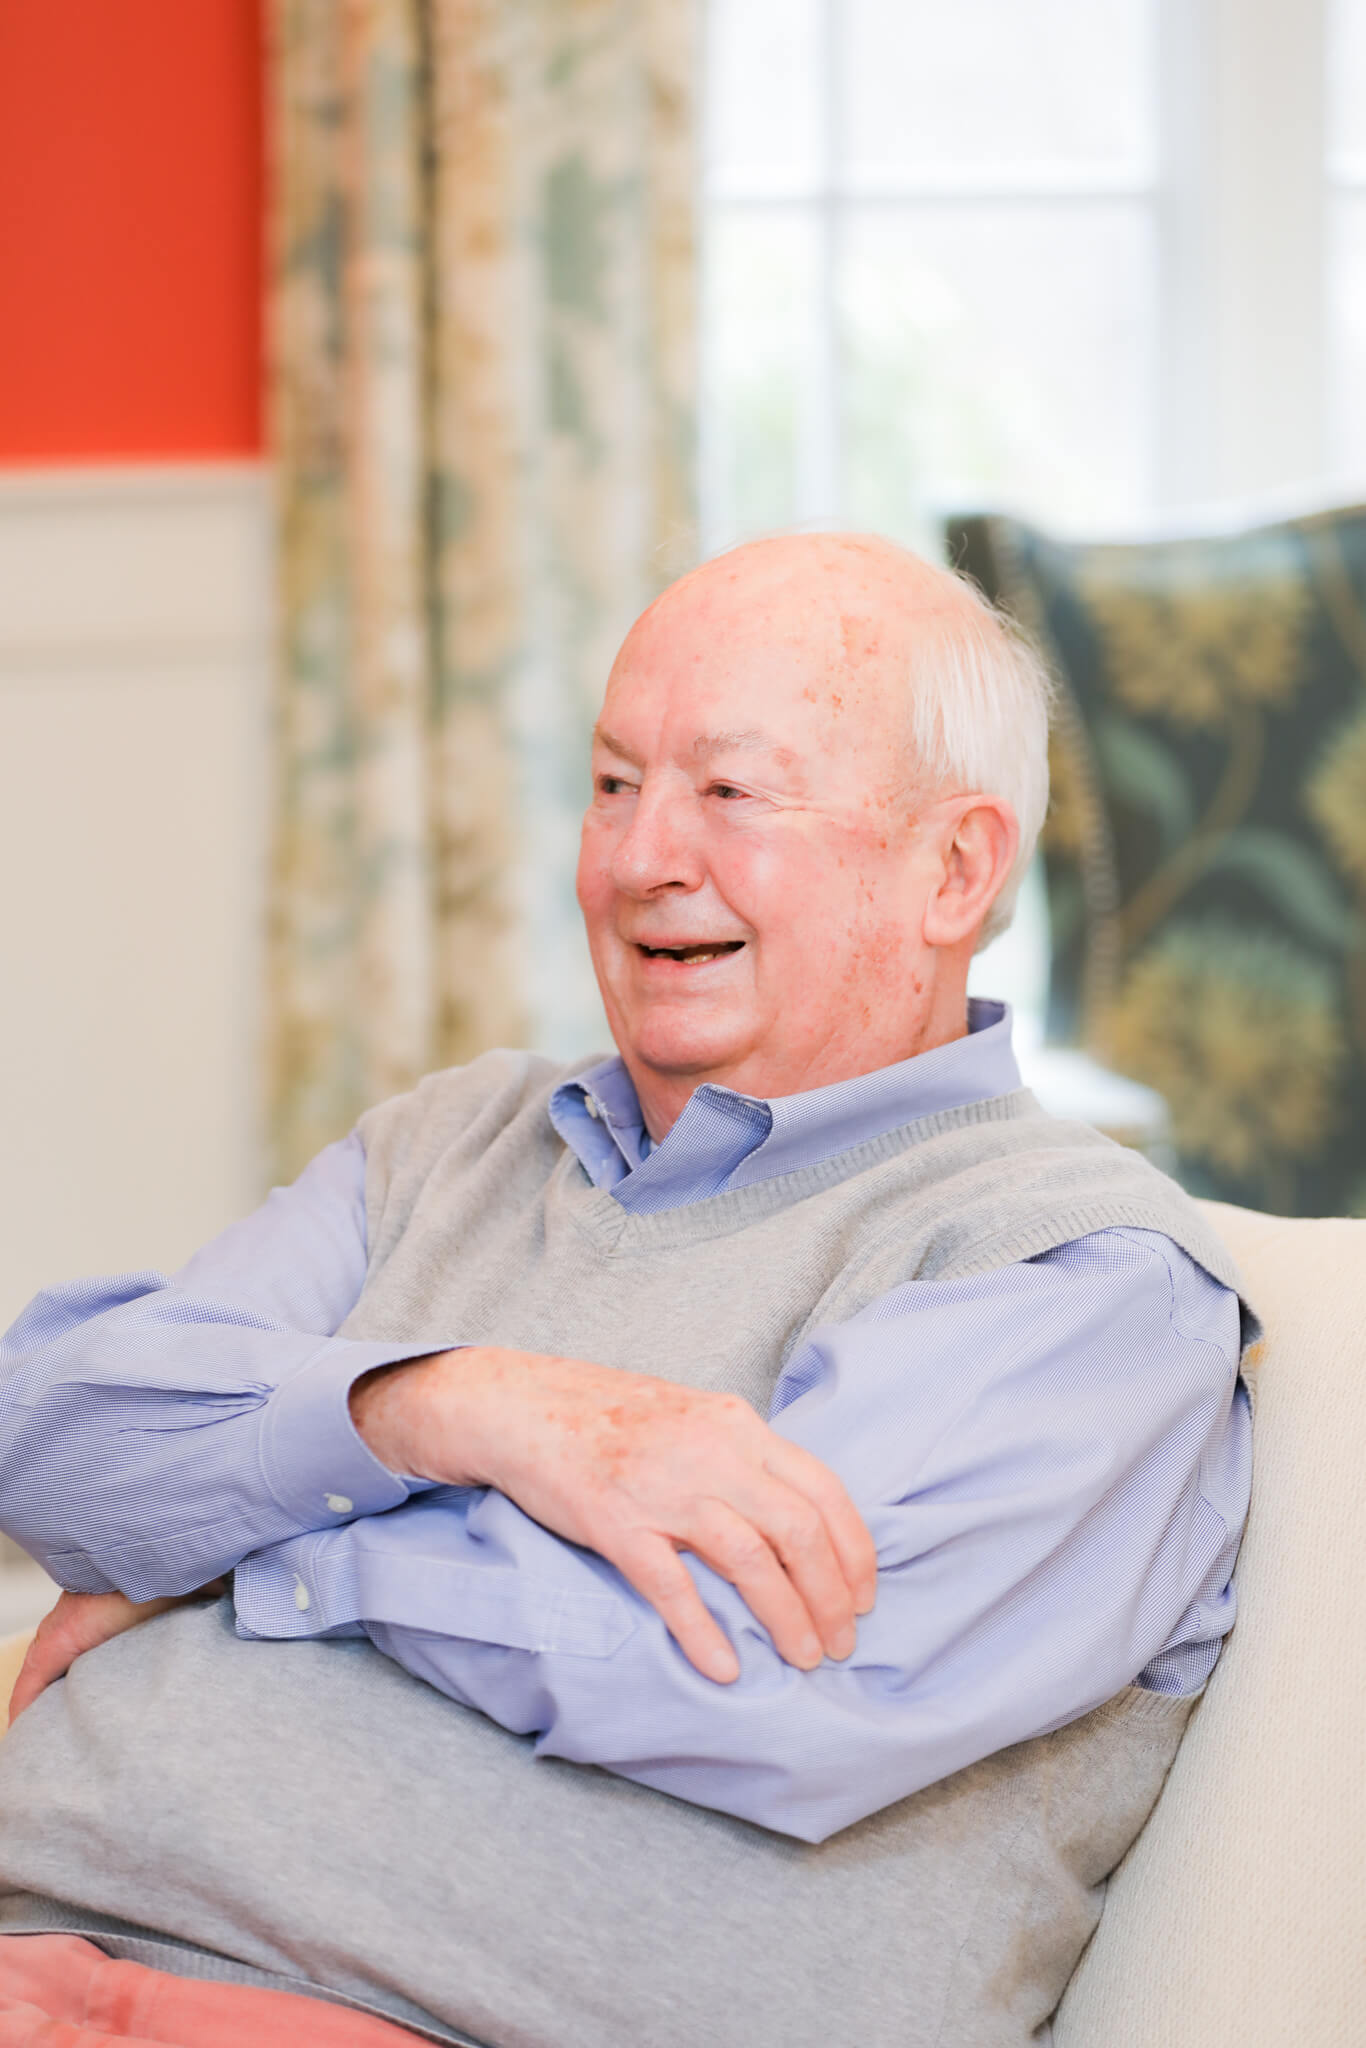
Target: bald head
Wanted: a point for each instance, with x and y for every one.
(861, 573)
(856, 611)
(764, 904)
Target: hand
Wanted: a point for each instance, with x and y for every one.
(81, 1622)
(638, 1469)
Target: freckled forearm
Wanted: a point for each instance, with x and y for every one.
(402, 1413)
(451, 1416)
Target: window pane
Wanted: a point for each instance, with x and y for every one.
(764, 112)
(761, 401)
(1348, 451)
(1013, 87)
(1346, 30)
(1000, 354)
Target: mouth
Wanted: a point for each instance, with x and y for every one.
(692, 956)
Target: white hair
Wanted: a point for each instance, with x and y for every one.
(980, 701)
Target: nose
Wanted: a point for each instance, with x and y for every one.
(660, 848)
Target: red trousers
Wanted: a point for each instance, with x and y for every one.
(57, 1991)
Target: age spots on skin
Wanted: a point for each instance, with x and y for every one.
(858, 639)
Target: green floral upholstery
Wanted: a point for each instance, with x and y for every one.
(1206, 844)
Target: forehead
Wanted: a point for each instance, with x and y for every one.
(769, 651)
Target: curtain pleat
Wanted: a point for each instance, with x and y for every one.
(483, 371)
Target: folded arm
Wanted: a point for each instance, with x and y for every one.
(153, 1431)
(1052, 1460)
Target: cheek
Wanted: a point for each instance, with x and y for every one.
(750, 872)
(592, 883)
(861, 904)
(876, 960)
(830, 895)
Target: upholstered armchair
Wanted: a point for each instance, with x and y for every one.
(1206, 847)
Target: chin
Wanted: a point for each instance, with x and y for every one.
(684, 1045)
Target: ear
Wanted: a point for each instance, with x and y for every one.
(978, 842)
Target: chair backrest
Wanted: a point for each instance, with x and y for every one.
(1206, 844)
(1240, 1913)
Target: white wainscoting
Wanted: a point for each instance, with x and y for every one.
(134, 643)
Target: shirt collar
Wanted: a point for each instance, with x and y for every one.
(725, 1139)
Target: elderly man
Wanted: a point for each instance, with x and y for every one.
(785, 1417)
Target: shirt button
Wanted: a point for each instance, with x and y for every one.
(339, 1504)
(591, 1107)
(301, 1596)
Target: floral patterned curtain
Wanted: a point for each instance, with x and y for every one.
(482, 368)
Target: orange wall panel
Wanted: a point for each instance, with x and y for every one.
(130, 229)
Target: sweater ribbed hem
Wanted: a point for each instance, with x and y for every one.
(26, 1913)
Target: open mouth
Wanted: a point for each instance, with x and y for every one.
(693, 956)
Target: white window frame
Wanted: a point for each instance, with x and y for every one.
(1243, 295)
(1242, 192)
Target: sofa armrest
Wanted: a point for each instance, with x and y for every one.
(1240, 1912)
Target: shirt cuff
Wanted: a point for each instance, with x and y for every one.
(313, 1458)
(306, 1587)
(428, 1576)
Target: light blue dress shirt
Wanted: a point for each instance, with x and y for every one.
(1053, 1459)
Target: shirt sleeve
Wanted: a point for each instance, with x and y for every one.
(1053, 1460)
(153, 1431)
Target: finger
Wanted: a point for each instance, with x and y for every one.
(739, 1551)
(845, 1526)
(40, 1667)
(79, 1622)
(660, 1576)
(792, 1531)
(796, 1531)
(59, 1639)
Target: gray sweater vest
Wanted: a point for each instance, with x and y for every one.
(307, 1814)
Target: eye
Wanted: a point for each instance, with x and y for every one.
(611, 785)
(726, 789)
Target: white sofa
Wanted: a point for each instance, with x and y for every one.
(1238, 1919)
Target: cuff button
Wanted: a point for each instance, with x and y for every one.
(339, 1504)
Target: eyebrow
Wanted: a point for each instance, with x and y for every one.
(603, 738)
(750, 740)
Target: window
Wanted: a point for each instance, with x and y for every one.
(1346, 171)
(1100, 261)
(931, 260)
(1096, 259)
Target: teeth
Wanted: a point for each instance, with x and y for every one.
(692, 955)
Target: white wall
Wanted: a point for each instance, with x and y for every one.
(134, 637)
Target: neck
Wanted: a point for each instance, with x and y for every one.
(664, 1094)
